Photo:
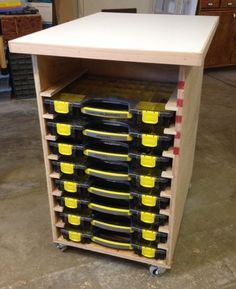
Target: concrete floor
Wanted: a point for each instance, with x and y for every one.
(206, 250)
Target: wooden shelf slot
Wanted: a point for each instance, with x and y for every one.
(54, 175)
(62, 84)
(48, 116)
(60, 224)
(164, 229)
(165, 212)
(58, 209)
(170, 130)
(50, 137)
(172, 102)
(166, 193)
(169, 153)
(168, 173)
(53, 157)
(57, 193)
(163, 246)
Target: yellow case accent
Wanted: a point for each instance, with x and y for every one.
(71, 203)
(119, 112)
(63, 129)
(92, 205)
(74, 220)
(149, 140)
(70, 187)
(74, 236)
(10, 4)
(67, 168)
(147, 182)
(149, 201)
(61, 106)
(148, 252)
(94, 222)
(86, 152)
(90, 189)
(126, 245)
(147, 217)
(150, 117)
(127, 136)
(89, 171)
(148, 161)
(65, 149)
(149, 235)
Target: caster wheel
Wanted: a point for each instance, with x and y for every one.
(157, 271)
(61, 247)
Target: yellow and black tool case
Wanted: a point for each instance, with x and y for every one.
(109, 130)
(99, 97)
(110, 151)
(119, 206)
(113, 171)
(111, 223)
(150, 218)
(113, 240)
(138, 199)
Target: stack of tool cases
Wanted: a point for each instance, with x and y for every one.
(107, 142)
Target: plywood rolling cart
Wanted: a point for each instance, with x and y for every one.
(132, 56)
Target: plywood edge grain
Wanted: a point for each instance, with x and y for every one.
(161, 57)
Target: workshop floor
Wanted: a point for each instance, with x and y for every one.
(206, 251)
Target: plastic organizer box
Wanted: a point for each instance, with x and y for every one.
(111, 223)
(110, 151)
(133, 100)
(110, 171)
(150, 219)
(116, 241)
(109, 130)
(113, 190)
(132, 200)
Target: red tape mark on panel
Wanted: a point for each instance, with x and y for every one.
(181, 84)
(176, 151)
(180, 102)
(178, 118)
(177, 136)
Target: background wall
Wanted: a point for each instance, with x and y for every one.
(87, 7)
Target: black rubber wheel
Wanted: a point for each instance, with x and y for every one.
(156, 271)
(61, 247)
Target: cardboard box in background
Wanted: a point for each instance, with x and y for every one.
(66, 10)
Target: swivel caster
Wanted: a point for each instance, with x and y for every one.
(156, 271)
(61, 247)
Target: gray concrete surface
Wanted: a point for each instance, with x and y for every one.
(206, 251)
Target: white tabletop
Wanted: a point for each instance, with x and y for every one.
(151, 38)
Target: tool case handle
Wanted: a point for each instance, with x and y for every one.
(111, 227)
(112, 244)
(107, 135)
(107, 175)
(109, 193)
(109, 210)
(106, 155)
(95, 107)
